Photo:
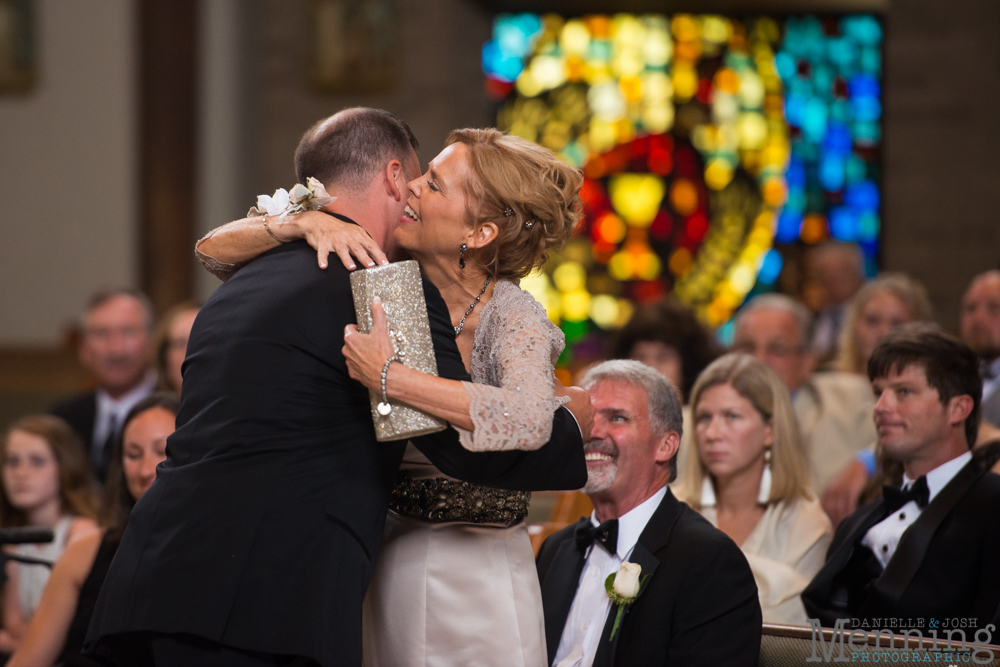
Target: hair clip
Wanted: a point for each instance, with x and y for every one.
(507, 212)
(528, 224)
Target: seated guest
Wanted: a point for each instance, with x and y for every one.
(117, 335)
(171, 345)
(56, 632)
(881, 306)
(46, 482)
(980, 328)
(748, 477)
(839, 268)
(699, 604)
(834, 409)
(668, 336)
(927, 549)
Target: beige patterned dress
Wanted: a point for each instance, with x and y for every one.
(455, 581)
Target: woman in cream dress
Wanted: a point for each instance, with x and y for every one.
(748, 477)
(455, 581)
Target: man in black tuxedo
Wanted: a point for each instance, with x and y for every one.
(699, 605)
(117, 350)
(926, 550)
(256, 543)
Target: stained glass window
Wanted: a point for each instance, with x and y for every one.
(714, 149)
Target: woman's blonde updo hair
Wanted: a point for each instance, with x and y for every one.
(756, 382)
(527, 192)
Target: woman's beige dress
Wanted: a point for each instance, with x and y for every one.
(464, 591)
(785, 551)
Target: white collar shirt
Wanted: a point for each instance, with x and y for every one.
(585, 623)
(884, 537)
(111, 412)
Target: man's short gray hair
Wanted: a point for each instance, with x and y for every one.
(664, 403)
(785, 304)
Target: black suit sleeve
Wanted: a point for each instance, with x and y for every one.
(557, 465)
(721, 623)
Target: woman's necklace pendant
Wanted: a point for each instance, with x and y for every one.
(461, 323)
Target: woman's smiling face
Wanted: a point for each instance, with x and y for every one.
(435, 222)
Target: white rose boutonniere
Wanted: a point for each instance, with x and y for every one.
(309, 197)
(623, 588)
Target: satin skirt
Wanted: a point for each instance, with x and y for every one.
(457, 594)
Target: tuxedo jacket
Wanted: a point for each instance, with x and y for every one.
(698, 607)
(262, 527)
(945, 565)
(80, 412)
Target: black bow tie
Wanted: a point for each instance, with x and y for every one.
(606, 534)
(896, 497)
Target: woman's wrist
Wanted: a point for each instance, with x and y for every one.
(286, 228)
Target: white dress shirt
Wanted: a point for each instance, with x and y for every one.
(883, 537)
(111, 413)
(585, 623)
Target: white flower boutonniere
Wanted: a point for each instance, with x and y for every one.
(309, 197)
(623, 588)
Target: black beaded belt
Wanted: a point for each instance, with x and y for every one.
(444, 500)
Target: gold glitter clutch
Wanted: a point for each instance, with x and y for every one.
(402, 294)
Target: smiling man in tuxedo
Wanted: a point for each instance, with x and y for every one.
(926, 549)
(699, 605)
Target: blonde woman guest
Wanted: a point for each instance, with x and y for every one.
(749, 479)
(883, 305)
(46, 482)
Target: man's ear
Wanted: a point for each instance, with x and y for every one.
(394, 175)
(483, 236)
(959, 409)
(667, 446)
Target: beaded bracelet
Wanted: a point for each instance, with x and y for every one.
(384, 408)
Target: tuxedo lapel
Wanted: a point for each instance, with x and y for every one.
(654, 537)
(559, 589)
(912, 548)
(822, 596)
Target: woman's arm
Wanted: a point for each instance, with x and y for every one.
(366, 355)
(225, 249)
(515, 415)
(46, 634)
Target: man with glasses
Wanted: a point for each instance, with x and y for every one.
(117, 350)
(834, 409)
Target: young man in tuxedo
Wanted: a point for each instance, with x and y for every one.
(117, 350)
(925, 550)
(699, 605)
(257, 541)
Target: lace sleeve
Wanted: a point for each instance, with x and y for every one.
(220, 270)
(517, 412)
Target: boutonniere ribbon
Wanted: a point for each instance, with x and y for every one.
(623, 588)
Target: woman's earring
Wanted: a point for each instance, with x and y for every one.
(461, 256)
(764, 497)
